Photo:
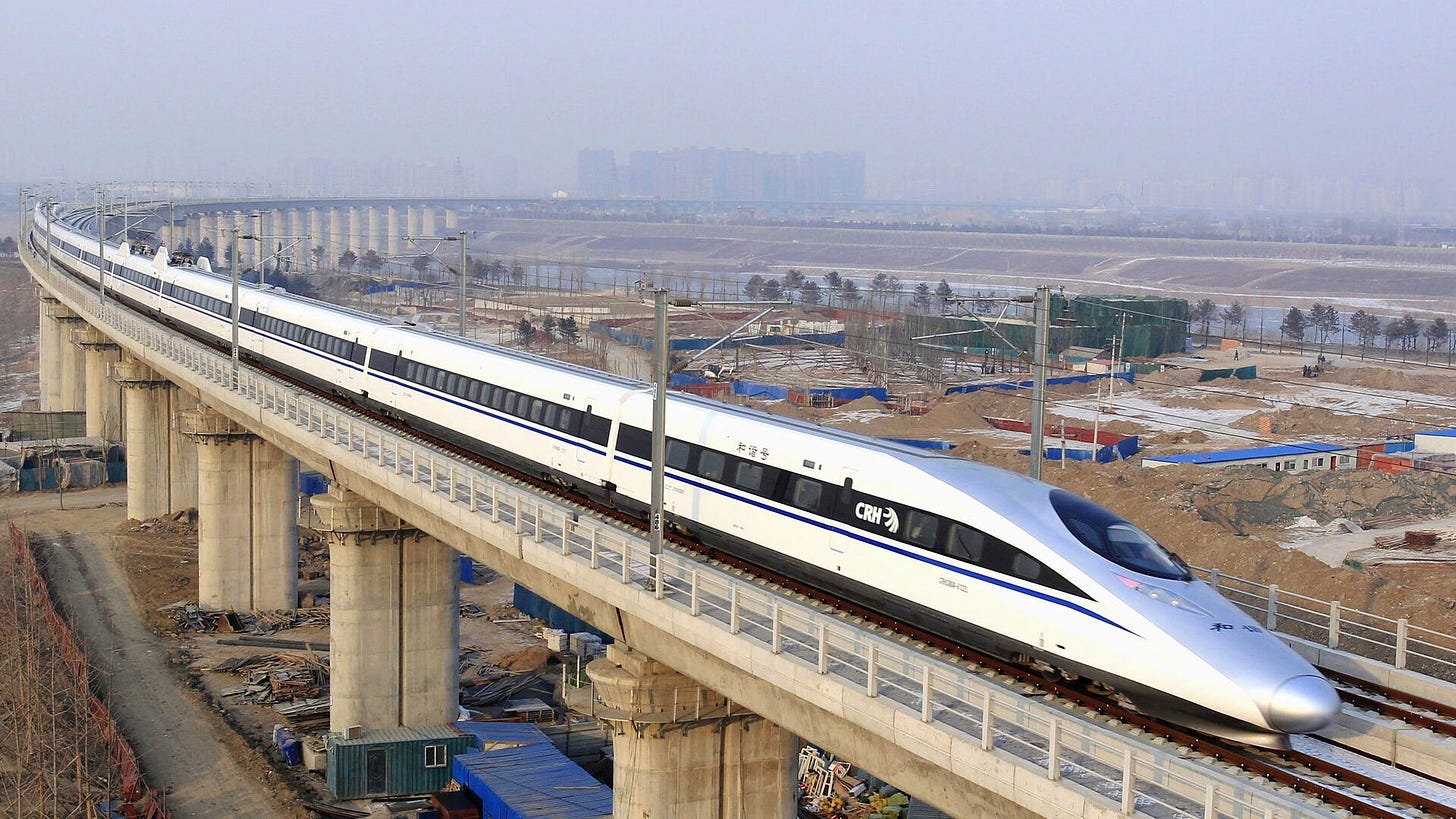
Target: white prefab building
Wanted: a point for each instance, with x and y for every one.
(1297, 457)
(1440, 440)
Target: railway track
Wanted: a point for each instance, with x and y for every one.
(1438, 717)
(1336, 786)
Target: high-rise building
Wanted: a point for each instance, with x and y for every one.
(831, 177)
(596, 173)
(718, 175)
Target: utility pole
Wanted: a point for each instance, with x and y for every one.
(1042, 331)
(659, 422)
(236, 311)
(1041, 312)
(258, 243)
(100, 249)
(463, 272)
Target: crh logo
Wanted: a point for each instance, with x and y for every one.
(878, 515)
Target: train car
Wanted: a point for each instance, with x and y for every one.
(969, 552)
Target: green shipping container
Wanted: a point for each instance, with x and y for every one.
(393, 761)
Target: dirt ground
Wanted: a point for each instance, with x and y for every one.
(1246, 522)
(117, 579)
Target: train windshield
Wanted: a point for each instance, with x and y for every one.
(1116, 539)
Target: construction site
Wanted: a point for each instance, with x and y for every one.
(1126, 381)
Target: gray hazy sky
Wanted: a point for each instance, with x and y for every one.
(124, 90)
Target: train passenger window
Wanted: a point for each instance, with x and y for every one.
(497, 396)
(921, 528)
(748, 476)
(537, 407)
(964, 543)
(634, 441)
(358, 353)
(450, 381)
(806, 493)
(569, 422)
(678, 454)
(508, 402)
(711, 463)
(382, 361)
(472, 391)
(249, 317)
(596, 429)
(1026, 567)
(548, 416)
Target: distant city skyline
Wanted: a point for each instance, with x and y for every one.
(959, 184)
(1336, 106)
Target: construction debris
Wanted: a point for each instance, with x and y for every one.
(190, 617)
(831, 788)
(1413, 546)
(279, 677)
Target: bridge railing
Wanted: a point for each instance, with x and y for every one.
(940, 704)
(1393, 641)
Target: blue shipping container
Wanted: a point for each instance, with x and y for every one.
(524, 776)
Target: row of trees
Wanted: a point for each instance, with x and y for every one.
(882, 290)
(1322, 322)
(8, 247)
(549, 330)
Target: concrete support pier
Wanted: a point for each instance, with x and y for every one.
(161, 471)
(73, 362)
(247, 516)
(394, 627)
(103, 396)
(682, 745)
(49, 353)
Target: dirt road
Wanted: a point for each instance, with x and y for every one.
(180, 743)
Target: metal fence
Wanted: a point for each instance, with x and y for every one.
(1394, 642)
(966, 708)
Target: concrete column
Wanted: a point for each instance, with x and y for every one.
(247, 516)
(298, 226)
(50, 355)
(391, 231)
(427, 221)
(316, 235)
(207, 229)
(680, 744)
(373, 238)
(413, 220)
(103, 396)
(452, 220)
(148, 453)
(355, 239)
(70, 366)
(181, 455)
(277, 226)
(337, 237)
(222, 225)
(394, 624)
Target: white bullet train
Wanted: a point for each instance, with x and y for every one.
(969, 552)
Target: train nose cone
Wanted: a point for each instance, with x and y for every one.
(1303, 704)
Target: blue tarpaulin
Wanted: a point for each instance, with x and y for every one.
(1026, 385)
(521, 775)
(1125, 448)
(534, 605)
(921, 443)
(312, 483)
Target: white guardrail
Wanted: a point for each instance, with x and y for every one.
(1137, 778)
(1394, 642)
